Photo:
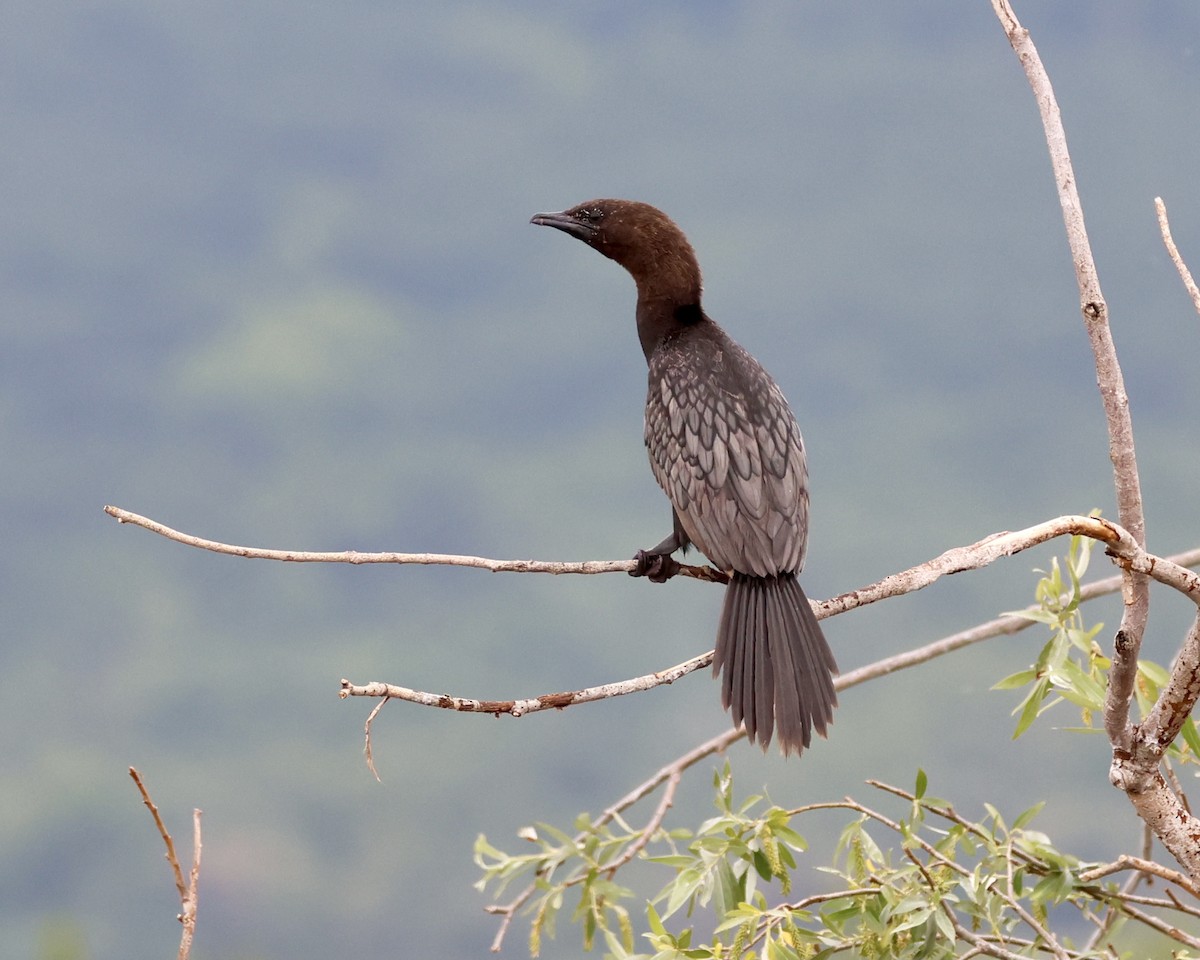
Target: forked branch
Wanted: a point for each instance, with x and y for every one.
(187, 891)
(1137, 751)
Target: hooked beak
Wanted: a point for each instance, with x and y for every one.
(566, 223)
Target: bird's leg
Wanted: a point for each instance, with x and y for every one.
(657, 562)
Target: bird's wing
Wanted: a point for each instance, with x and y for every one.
(726, 448)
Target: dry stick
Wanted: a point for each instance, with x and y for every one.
(367, 738)
(1166, 929)
(1108, 375)
(1136, 758)
(356, 557)
(1170, 902)
(189, 909)
(1173, 252)
(1143, 866)
(187, 892)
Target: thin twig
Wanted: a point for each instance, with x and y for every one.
(188, 893)
(1125, 862)
(518, 708)
(423, 559)
(777, 915)
(1120, 544)
(1173, 252)
(367, 737)
(1169, 902)
(172, 859)
(1169, 770)
(188, 917)
(980, 944)
(1175, 902)
(946, 813)
(1015, 905)
(716, 744)
(1161, 926)
(652, 825)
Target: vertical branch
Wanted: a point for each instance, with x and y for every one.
(1137, 751)
(188, 915)
(1136, 589)
(187, 892)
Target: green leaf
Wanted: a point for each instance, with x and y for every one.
(1014, 680)
(1153, 672)
(655, 921)
(922, 783)
(729, 892)
(1028, 815)
(1191, 736)
(1031, 706)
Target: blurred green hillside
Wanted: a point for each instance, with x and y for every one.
(267, 277)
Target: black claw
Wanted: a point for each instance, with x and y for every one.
(657, 566)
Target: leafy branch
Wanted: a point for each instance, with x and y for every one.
(920, 883)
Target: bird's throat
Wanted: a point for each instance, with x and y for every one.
(658, 319)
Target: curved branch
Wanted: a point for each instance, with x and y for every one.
(1140, 865)
(425, 559)
(1185, 274)
(518, 708)
(956, 560)
(1108, 376)
(1137, 751)
(187, 892)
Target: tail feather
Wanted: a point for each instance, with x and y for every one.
(775, 665)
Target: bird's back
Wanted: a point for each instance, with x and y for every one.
(727, 451)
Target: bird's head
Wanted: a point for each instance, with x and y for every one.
(641, 238)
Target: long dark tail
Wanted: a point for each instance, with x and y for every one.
(776, 666)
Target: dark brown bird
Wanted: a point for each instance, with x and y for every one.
(725, 447)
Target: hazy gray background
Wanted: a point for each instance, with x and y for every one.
(267, 277)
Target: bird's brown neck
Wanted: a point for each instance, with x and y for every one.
(668, 286)
(660, 318)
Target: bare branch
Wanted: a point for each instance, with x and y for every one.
(1173, 252)
(1141, 865)
(1001, 626)
(192, 902)
(172, 859)
(518, 708)
(981, 944)
(187, 892)
(956, 560)
(426, 559)
(1108, 375)
(367, 737)
(1175, 703)
(1167, 929)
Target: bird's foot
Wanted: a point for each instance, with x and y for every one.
(659, 567)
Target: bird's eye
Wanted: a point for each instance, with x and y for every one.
(588, 216)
